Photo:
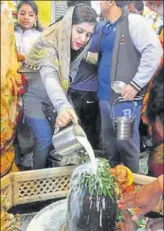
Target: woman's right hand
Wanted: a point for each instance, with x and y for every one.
(65, 117)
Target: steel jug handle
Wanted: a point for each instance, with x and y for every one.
(121, 99)
(114, 103)
(134, 109)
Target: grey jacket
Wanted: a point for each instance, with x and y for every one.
(137, 52)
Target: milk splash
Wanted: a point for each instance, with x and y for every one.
(85, 143)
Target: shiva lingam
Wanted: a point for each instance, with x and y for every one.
(92, 199)
(91, 203)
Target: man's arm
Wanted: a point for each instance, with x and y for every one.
(148, 45)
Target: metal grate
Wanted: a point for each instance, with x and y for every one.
(43, 186)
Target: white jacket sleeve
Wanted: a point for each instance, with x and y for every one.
(54, 90)
(148, 45)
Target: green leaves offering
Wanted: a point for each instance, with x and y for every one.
(100, 184)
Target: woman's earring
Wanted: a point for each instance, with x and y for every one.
(35, 24)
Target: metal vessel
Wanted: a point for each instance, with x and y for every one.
(123, 125)
(65, 141)
(117, 86)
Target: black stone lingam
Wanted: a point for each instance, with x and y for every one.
(86, 212)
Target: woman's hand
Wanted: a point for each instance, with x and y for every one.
(146, 198)
(65, 117)
(129, 92)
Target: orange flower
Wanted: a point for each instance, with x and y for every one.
(123, 175)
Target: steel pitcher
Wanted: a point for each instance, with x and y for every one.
(65, 141)
(123, 125)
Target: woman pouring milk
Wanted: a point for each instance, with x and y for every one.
(55, 56)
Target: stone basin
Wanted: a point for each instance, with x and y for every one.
(51, 218)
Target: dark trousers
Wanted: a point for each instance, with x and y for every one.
(120, 151)
(87, 108)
